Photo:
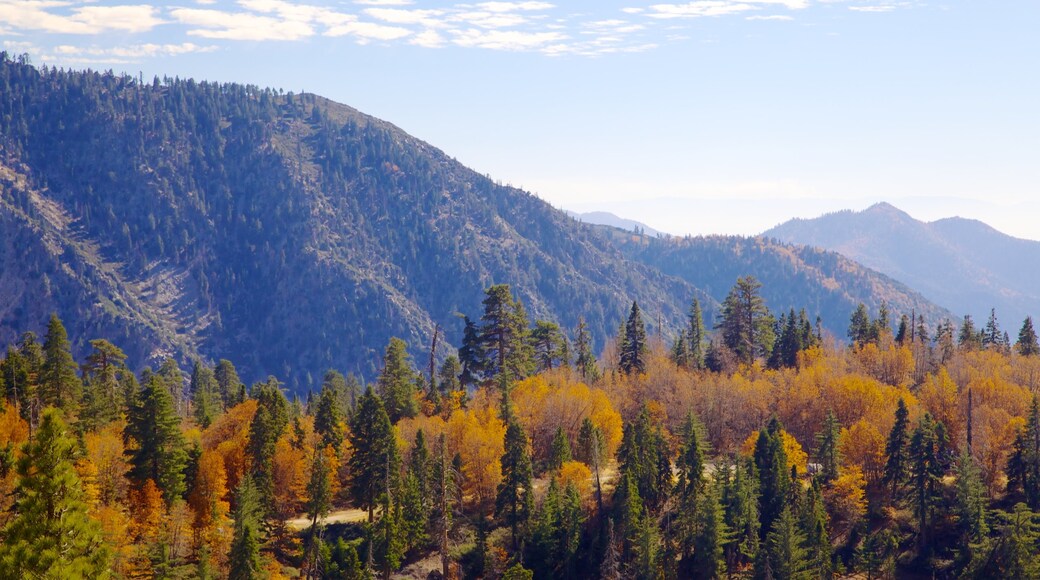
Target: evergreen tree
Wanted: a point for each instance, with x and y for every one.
(813, 525)
(897, 464)
(585, 361)
(559, 451)
(1023, 468)
(592, 451)
(374, 459)
(695, 336)
(504, 336)
(59, 386)
(926, 474)
(647, 548)
(827, 448)
(860, 325)
(244, 560)
(448, 375)
(773, 474)
(268, 425)
(419, 464)
(159, 452)
(328, 420)
(230, 386)
(969, 337)
(905, 330)
(319, 502)
(746, 325)
(1027, 342)
(550, 346)
(444, 478)
(784, 554)
(414, 513)
(992, 335)
(740, 502)
(515, 493)
(397, 382)
(644, 455)
(610, 566)
(205, 395)
(471, 355)
(633, 349)
(1014, 554)
(970, 508)
(50, 534)
(708, 556)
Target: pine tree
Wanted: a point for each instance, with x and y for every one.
(813, 524)
(103, 396)
(644, 455)
(388, 542)
(205, 393)
(319, 502)
(59, 386)
(970, 508)
(926, 474)
(897, 464)
(695, 336)
(633, 349)
(969, 337)
(773, 474)
(228, 384)
(592, 451)
(740, 502)
(585, 361)
(448, 376)
(374, 459)
(471, 355)
(1014, 554)
(1023, 469)
(244, 560)
(397, 382)
(827, 448)
(559, 451)
(992, 335)
(905, 330)
(504, 336)
(328, 419)
(746, 325)
(515, 493)
(414, 513)
(860, 325)
(444, 478)
(711, 536)
(550, 346)
(1027, 342)
(610, 566)
(268, 425)
(784, 554)
(50, 534)
(160, 452)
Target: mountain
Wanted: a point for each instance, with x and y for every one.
(964, 265)
(825, 283)
(285, 232)
(605, 218)
(291, 234)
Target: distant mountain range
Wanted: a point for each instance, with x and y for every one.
(291, 234)
(605, 218)
(961, 264)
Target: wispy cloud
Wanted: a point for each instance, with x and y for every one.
(42, 16)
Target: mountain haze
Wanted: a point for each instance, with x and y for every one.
(961, 264)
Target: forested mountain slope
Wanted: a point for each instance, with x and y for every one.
(824, 283)
(962, 264)
(286, 232)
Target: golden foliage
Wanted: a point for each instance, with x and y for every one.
(862, 447)
(478, 435)
(577, 473)
(796, 456)
(228, 436)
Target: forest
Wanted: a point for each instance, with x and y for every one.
(760, 448)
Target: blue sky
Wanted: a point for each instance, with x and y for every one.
(710, 116)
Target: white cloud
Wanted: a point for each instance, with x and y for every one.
(770, 17)
(39, 15)
(427, 18)
(428, 39)
(702, 8)
(134, 51)
(489, 19)
(239, 25)
(368, 31)
(880, 8)
(513, 40)
(632, 10)
(383, 2)
(514, 6)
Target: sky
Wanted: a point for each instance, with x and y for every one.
(700, 117)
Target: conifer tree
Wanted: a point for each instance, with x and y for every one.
(419, 464)
(1027, 342)
(471, 355)
(813, 524)
(926, 473)
(328, 420)
(897, 464)
(695, 336)
(414, 513)
(905, 330)
(205, 395)
(50, 534)
(374, 459)
(969, 338)
(746, 325)
(228, 384)
(1023, 469)
(610, 566)
(448, 376)
(504, 336)
(514, 502)
(827, 448)
(397, 382)
(388, 542)
(268, 425)
(592, 452)
(708, 555)
(992, 335)
(633, 349)
(159, 452)
(970, 508)
(59, 386)
(319, 503)
(740, 502)
(550, 346)
(559, 451)
(244, 560)
(644, 455)
(784, 554)
(444, 478)
(773, 474)
(585, 361)
(103, 396)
